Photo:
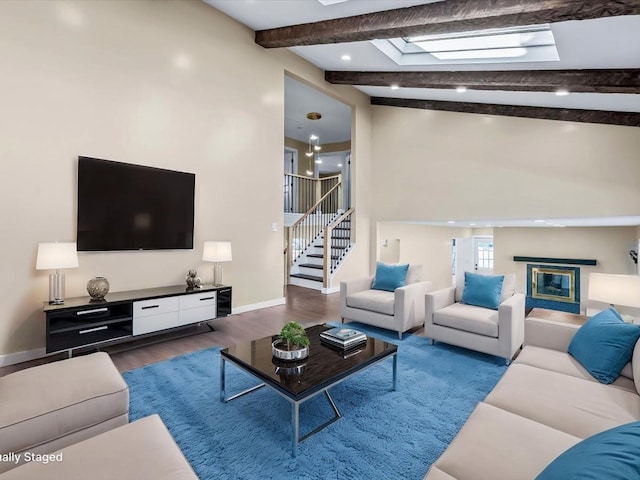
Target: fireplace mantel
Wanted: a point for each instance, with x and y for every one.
(566, 261)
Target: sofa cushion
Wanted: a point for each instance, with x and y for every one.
(635, 365)
(508, 287)
(482, 290)
(379, 301)
(48, 402)
(468, 318)
(570, 404)
(390, 277)
(497, 445)
(561, 362)
(139, 450)
(613, 454)
(604, 345)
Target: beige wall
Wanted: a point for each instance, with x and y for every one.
(425, 245)
(165, 83)
(608, 245)
(464, 166)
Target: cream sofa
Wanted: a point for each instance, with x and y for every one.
(69, 419)
(545, 403)
(399, 310)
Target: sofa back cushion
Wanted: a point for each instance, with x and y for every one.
(635, 366)
(414, 274)
(612, 454)
(604, 345)
(508, 287)
(482, 290)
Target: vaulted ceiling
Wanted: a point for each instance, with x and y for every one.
(592, 75)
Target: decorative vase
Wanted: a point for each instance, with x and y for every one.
(279, 350)
(98, 287)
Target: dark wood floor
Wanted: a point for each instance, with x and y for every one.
(309, 307)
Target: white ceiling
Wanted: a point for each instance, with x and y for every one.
(300, 99)
(612, 42)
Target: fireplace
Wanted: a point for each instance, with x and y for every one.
(553, 287)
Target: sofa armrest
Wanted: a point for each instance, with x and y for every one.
(549, 334)
(409, 304)
(511, 325)
(350, 287)
(439, 299)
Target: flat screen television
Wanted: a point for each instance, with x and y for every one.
(133, 207)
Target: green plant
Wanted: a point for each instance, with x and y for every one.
(294, 334)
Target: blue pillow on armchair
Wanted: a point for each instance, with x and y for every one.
(482, 290)
(390, 277)
(613, 455)
(604, 345)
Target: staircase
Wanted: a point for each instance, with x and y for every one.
(311, 259)
(308, 270)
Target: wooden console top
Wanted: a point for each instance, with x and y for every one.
(557, 316)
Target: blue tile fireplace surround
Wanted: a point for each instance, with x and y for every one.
(554, 287)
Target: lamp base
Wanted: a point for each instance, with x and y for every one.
(217, 275)
(56, 288)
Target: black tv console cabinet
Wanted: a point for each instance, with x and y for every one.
(122, 316)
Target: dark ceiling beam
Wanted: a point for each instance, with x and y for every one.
(442, 17)
(589, 81)
(566, 114)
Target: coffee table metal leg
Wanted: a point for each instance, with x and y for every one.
(222, 379)
(295, 425)
(395, 372)
(223, 393)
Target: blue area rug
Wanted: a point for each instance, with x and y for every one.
(383, 434)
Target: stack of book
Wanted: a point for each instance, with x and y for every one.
(343, 338)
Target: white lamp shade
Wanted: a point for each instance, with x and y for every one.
(54, 255)
(615, 289)
(217, 252)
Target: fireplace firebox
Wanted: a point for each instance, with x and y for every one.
(553, 287)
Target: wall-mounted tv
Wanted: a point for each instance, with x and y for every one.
(133, 207)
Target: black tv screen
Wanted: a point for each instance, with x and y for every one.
(133, 207)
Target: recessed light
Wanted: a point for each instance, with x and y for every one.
(313, 137)
(539, 221)
(488, 226)
(395, 86)
(563, 92)
(451, 221)
(339, 165)
(461, 89)
(472, 224)
(345, 58)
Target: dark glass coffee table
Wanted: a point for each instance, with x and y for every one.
(297, 382)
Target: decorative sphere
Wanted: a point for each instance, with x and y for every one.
(98, 287)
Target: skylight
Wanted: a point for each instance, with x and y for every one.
(533, 43)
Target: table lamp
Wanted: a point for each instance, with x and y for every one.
(217, 252)
(54, 256)
(615, 290)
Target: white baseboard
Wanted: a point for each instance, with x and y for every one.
(24, 356)
(329, 290)
(257, 306)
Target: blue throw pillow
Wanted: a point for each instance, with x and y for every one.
(390, 277)
(604, 345)
(482, 290)
(613, 455)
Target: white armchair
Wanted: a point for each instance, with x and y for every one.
(496, 332)
(399, 310)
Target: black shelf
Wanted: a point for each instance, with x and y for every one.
(81, 322)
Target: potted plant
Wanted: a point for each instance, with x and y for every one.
(292, 343)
